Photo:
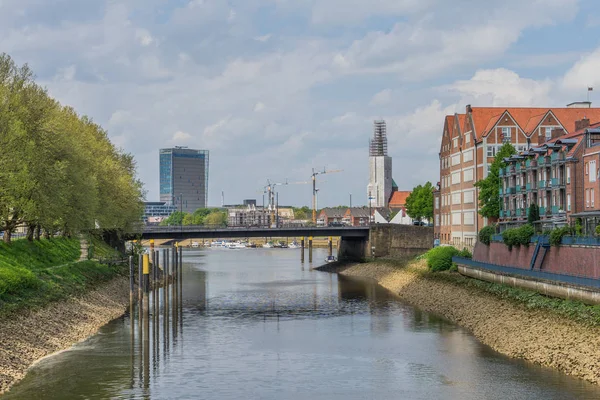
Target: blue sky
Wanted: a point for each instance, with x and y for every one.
(274, 88)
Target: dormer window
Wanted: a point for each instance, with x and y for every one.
(505, 134)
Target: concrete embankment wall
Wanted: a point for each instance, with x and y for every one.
(569, 260)
(509, 327)
(399, 241)
(33, 335)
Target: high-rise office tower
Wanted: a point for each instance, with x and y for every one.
(380, 167)
(184, 178)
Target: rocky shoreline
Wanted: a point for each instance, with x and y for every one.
(506, 326)
(31, 336)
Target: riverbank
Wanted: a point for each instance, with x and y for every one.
(30, 336)
(508, 326)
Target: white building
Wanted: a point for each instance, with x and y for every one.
(379, 189)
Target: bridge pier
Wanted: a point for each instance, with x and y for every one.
(352, 249)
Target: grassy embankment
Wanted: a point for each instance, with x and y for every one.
(574, 310)
(33, 274)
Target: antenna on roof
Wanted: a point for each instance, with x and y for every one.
(588, 92)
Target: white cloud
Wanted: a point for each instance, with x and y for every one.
(263, 38)
(584, 73)
(259, 107)
(181, 137)
(144, 37)
(381, 98)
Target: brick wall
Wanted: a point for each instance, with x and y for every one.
(392, 240)
(568, 260)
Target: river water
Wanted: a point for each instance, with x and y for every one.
(259, 324)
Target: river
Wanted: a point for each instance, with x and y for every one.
(259, 324)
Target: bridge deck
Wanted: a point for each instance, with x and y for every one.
(201, 232)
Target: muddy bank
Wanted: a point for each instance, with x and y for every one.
(509, 327)
(27, 338)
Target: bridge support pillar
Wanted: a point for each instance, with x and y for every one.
(310, 247)
(352, 249)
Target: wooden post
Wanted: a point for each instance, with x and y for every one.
(302, 250)
(330, 246)
(140, 278)
(131, 284)
(310, 249)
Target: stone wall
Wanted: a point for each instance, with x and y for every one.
(569, 260)
(399, 241)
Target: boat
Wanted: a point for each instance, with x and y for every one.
(330, 259)
(268, 245)
(251, 245)
(236, 245)
(294, 245)
(283, 245)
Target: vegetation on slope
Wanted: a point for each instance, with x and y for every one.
(33, 274)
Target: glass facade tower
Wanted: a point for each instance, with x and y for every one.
(184, 178)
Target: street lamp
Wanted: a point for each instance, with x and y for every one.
(370, 198)
(181, 214)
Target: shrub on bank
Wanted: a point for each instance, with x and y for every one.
(518, 236)
(486, 233)
(440, 258)
(557, 234)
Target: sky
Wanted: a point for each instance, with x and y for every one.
(274, 88)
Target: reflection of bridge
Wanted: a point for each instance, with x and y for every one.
(202, 232)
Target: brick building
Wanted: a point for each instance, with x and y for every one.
(469, 145)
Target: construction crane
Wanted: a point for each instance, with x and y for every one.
(314, 184)
(269, 189)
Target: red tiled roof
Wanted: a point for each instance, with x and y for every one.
(528, 118)
(398, 199)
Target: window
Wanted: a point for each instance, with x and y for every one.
(468, 138)
(455, 142)
(506, 134)
(593, 171)
(455, 178)
(569, 202)
(521, 147)
(548, 133)
(592, 200)
(456, 198)
(468, 175)
(437, 203)
(489, 168)
(468, 155)
(568, 174)
(587, 197)
(469, 218)
(456, 220)
(469, 196)
(491, 151)
(587, 168)
(455, 159)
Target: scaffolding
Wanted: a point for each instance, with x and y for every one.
(378, 145)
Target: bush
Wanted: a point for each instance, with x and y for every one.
(465, 253)
(485, 234)
(557, 234)
(597, 230)
(440, 258)
(518, 236)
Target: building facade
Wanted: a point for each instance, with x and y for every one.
(469, 145)
(157, 211)
(184, 178)
(379, 189)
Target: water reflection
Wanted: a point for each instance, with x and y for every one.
(256, 324)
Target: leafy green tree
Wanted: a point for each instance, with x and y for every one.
(489, 201)
(177, 218)
(419, 204)
(302, 212)
(217, 218)
(534, 213)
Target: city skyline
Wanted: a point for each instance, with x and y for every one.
(275, 88)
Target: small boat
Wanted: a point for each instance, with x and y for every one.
(251, 245)
(283, 245)
(236, 245)
(294, 245)
(268, 245)
(330, 259)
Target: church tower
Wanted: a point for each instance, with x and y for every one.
(379, 189)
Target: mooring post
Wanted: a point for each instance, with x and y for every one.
(302, 250)
(166, 289)
(140, 278)
(180, 297)
(330, 246)
(174, 293)
(146, 317)
(310, 248)
(131, 284)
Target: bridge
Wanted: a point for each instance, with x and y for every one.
(356, 242)
(203, 232)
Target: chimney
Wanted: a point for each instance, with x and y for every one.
(469, 109)
(582, 124)
(557, 132)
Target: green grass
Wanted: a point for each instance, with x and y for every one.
(32, 274)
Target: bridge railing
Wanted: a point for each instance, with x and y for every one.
(195, 228)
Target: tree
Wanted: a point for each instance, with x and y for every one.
(217, 218)
(489, 201)
(419, 204)
(176, 218)
(302, 212)
(534, 213)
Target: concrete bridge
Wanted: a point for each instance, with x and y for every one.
(356, 243)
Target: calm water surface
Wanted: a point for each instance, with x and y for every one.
(259, 324)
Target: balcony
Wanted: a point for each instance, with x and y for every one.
(542, 210)
(555, 209)
(518, 188)
(501, 214)
(501, 172)
(541, 184)
(519, 212)
(511, 190)
(500, 192)
(518, 167)
(557, 182)
(556, 157)
(528, 187)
